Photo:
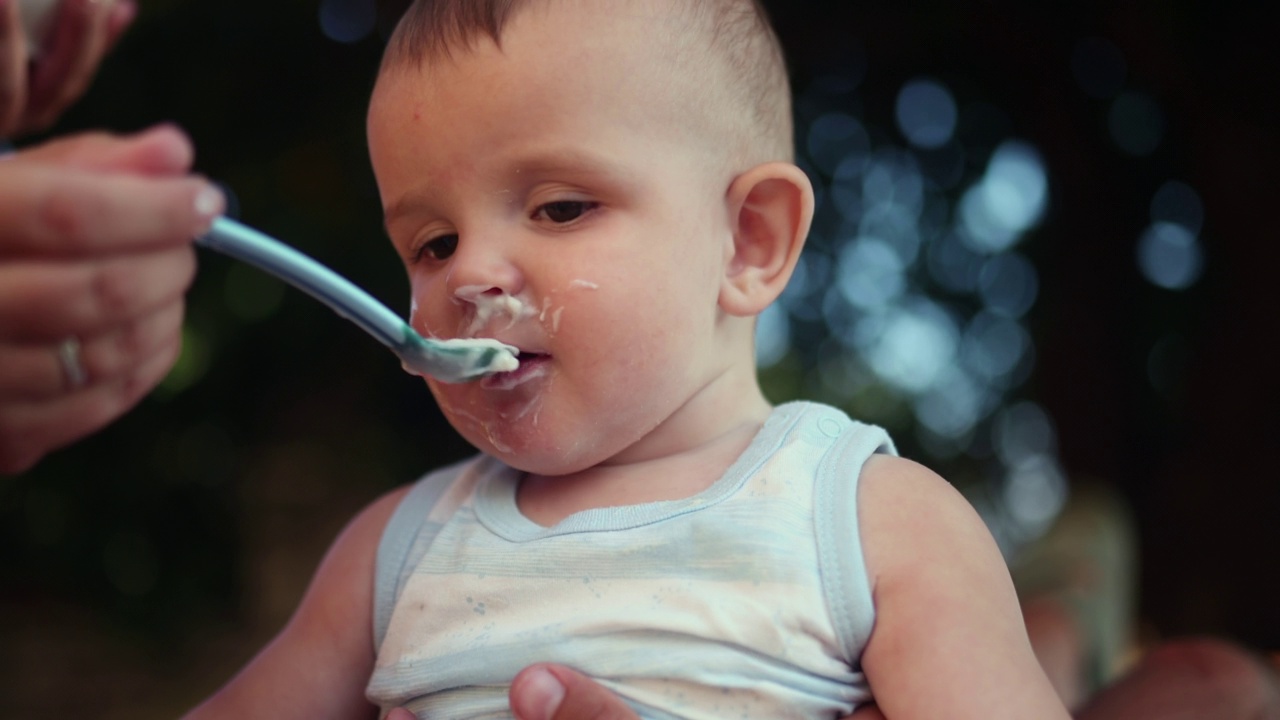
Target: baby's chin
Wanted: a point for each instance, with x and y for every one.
(537, 454)
(543, 460)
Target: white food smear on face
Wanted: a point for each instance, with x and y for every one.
(491, 305)
(488, 306)
(485, 428)
(555, 313)
(468, 357)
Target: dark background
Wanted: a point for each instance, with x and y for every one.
(144, 565)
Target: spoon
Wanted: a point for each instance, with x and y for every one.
(455, 360)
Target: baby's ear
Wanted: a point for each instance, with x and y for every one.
(770, 208)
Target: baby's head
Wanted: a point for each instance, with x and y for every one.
(717, 64)
(605, 185)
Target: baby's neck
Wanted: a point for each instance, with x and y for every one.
(548, 500)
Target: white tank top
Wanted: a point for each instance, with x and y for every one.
(749, 599)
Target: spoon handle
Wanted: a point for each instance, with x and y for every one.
(447, 360)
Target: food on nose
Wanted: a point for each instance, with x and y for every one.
(488, 304)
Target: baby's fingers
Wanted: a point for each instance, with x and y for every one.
(28, 431)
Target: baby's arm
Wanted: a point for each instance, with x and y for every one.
(318, 665)
(949, 639)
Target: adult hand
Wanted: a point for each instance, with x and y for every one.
(95, 256)
(36, 85)
(554, 692)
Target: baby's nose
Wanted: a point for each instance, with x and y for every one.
(490, 308)
(480, 270)
(477, 294)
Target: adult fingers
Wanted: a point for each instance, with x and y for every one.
(48, 301)
(866, 712)
(554, 692)
(28, 431)
(121, 18)
(51, 211)
(80, 38)
(157, 151)
(36, 372)
(13, 68)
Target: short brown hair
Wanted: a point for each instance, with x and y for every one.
(737, 35)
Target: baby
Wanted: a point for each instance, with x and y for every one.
(608, 186)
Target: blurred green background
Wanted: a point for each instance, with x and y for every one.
(145, 564)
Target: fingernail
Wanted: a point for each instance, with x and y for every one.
(209, 201)
(540, 696)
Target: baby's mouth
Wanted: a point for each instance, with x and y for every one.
(532, 365)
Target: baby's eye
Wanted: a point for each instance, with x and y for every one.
(564, 211)
(437, 248)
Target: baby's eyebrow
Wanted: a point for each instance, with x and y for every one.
(602, 176)
(407, 205)
(570, 160)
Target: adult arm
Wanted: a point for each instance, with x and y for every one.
(95, 246)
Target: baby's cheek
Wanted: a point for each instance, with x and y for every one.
(550, 315)
(418, 320)
(421, 311)
(575, 303)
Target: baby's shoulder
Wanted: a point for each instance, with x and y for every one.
(910, 517)
(892, 482)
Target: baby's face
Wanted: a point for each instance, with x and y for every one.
(545, 195)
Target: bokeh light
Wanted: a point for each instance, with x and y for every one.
(1177, 202)
(1008, 284)
(910, 303)
(1170, 256)
(926, 113)
(1136, 123)
(1008, 201)
(347, 21)
(773, 336)
(1169, 251)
